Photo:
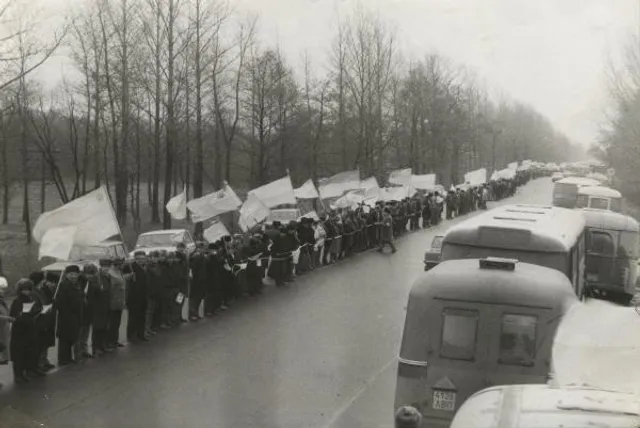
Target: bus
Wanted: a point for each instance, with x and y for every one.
(475, 323)
(599, 197)
(611, 264)
(542, 235)
(533, 406)
(565, 191)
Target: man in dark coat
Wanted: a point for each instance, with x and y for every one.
(69, 302)
(118, 292)
(24, 336)
(137, 297)
(198, 264)
(81, 349)
(99, 299)
(43, 293)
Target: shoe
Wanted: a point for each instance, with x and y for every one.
(119, 345)
(65, 363)
(36, 373)
(4, 362)
(183, 320)
(165, 326)
(87, 355)
(194, 319)
(48, 366)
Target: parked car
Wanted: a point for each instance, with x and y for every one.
(557, 176)
(432, 255)
(89, 254)
(164, 240)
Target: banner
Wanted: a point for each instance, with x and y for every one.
(424, 182)
(477, 177)
(279, 192)
(401, 177)
(513, 166)
(90, 217)
(252, 212)
(507, 173)
(350, 200)
(495, 176)
(393, 193)
(214, 204)
(57, 242)
(215, 232)
(369, 183)
(336, 185)
(177, 206)
(307, 190)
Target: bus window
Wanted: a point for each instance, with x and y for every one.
(582, 201)
(459, 334)
(628, 248)
(518, 340)
(616, 205)
(599, 203)
(601, 243)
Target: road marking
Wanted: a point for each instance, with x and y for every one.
(342, 410)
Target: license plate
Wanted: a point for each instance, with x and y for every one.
(444, 400)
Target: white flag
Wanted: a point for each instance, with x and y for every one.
(495, 176)
(252, 212)
(57, 243)
(401, 177)
(513, 165)
(177, 206)
(307, 190)
(336, 185)
(214, 204)
(279, 192)
(477, 177)
(369, 183)
(215, 232)
(92, 216)
(424, 182)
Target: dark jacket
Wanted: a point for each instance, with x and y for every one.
(24, 336)
(69, 302)
(99, 300)
(137, 291)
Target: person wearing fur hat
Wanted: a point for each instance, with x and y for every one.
(43, 293)
(408, 417)
(99, 300)
(69, 302)
(24, 336)
(386, 237)
(5, 323)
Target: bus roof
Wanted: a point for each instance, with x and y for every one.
(609, 220)
(464, 279)
(600, 191)
(580, 181)
(534, 228)
(532, 406)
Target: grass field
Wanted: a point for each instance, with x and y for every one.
(19, 258)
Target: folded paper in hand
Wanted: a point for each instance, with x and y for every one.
(180, 298)
(26, 307)
(46, 309)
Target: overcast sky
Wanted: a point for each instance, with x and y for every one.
(552, 54)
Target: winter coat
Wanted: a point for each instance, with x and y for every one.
(24, 336)
(69, 302)
(99, 299)
(137, 290)
(5, 329)
(118, 290)
(45, 323)
(199, 265)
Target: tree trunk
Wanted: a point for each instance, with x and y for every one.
(5, 173)
(43, 184)
(170, 115)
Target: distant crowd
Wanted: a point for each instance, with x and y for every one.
(83, 307)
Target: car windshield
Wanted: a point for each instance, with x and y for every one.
(160, 240)
(89, 253)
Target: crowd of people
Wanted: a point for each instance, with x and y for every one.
(83, 306)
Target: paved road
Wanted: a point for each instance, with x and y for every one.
(320, 353)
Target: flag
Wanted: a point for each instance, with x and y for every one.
(350, 200)
(495, 176)
(400, 177)
(177, 206)
(91, 215)
(513, 165)
(369, 183)
(477, 177)
(336, 185)
(214, 204)
(215, 232)
(279, 192)
(57, 242)
(252, 212)
(424, 182)
(307, 190)
(393, 193)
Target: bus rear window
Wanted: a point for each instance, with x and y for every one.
(459, 334)
(518, 340)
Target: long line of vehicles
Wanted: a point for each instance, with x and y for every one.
(477, 343)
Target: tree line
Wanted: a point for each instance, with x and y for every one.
(183, 92)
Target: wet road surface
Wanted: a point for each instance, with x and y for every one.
(319, 353)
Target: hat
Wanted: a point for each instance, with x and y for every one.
(3, 284)
(36, 277)
(408, 417)
(24, 284)
(118, 261)
(90, 269)
(139, 253)
(104, 262)
(72, 269)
